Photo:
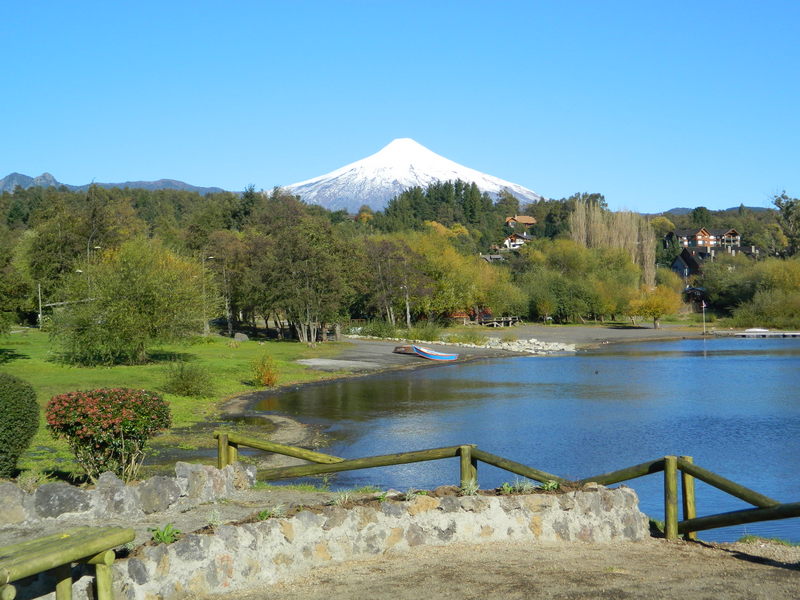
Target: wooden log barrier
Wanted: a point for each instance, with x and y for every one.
(234, 440)
(362, 463)
(57, 552)
(726, 485)
(515, 467)
(640, 470)
(740, 517)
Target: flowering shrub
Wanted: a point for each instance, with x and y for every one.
(264, 371)
(107, 429)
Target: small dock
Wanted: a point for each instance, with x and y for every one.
(759, 334)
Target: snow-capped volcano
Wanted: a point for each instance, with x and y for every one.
(401, 165)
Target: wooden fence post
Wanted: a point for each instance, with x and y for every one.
(671, 497)
(689, 506)
(222, 450)
(63, 575)
(233, 453)
(469, 467)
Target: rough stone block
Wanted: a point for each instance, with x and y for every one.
(12, 500)
(55, 499)
(158, 493)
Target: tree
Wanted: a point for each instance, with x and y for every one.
(655, 303)
(135, 297)
(789, 220)
(700, 217)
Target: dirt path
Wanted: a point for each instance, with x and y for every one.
(651, 569)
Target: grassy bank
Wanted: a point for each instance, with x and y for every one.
(28, 354)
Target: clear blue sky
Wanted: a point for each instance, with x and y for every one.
(654, 104)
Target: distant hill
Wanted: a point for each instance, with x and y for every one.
(10, 182)
(685, 211)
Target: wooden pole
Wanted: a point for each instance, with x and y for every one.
(63, 575)
(309, 455)
(8, 592)
(233, 452)
(740, 517)
(222, 450)
(469, 467)
(726, 485)
(103, 581)
(72, 550)
(689, 506)
(645, 468)
(515, 467)
(361, 463)
(671, 497)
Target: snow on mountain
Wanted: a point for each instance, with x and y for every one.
(401, 165)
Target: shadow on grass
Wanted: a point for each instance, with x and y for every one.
(7, 355)
(623, 327)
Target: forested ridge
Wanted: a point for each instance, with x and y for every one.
(267, 255)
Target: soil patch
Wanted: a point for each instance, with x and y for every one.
(514, 570)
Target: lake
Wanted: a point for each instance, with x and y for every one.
(732, 404)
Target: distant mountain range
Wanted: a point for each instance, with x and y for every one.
(10, 182)
(401, 165)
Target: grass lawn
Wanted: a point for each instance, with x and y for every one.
(28, 354)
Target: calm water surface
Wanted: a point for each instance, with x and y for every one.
(734, 405)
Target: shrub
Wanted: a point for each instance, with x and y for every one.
(264, 371)
(186, 379)
(379, 328)
(19, 419)
(425, 331)
(107, 429)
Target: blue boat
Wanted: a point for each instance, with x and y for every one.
(432, 354)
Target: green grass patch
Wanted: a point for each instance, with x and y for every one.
(754, 539)
(28, 354)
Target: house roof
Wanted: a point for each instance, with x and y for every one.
(521, 219)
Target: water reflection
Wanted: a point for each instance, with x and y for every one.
(732, 404)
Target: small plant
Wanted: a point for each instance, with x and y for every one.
(550, 485)
(107, 429)
(165, 535)
(520, 486)
(382, 497)
(415, 492)
(19, 420)
(28, 481)
(342, 498)
(186, 379)
(469, 489)
(272, 513)
(264, 371)
(214, 517)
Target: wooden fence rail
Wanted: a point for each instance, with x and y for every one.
(766, 508)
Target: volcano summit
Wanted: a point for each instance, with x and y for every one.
(401, 165)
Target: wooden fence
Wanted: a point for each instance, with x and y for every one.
(766, 509)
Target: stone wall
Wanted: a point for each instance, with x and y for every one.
(227, 558)
(240, 557)
(192, 485)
